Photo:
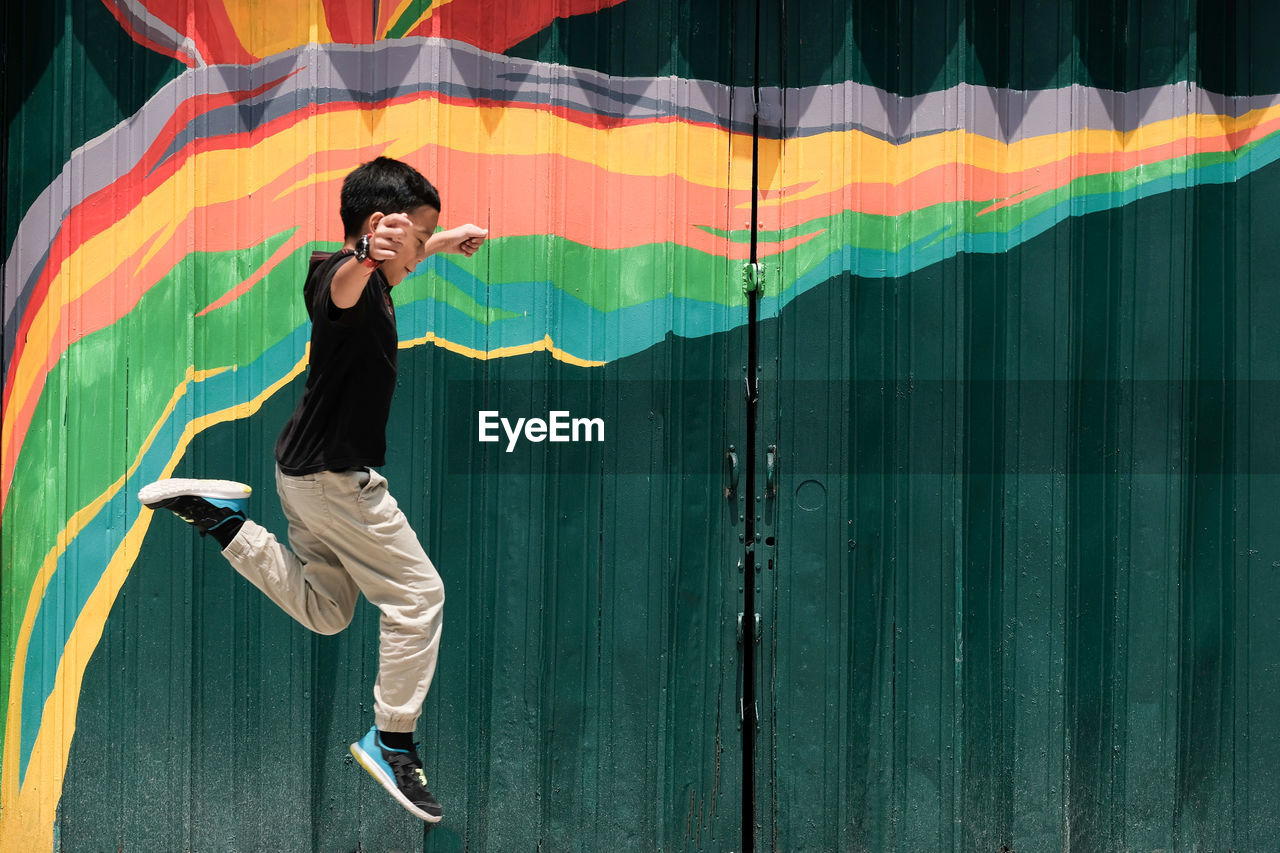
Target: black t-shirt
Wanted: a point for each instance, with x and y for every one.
(341, 420)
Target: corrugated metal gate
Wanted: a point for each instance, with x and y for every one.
(935, 348)
(1022, 577)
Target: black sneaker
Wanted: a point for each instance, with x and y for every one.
(204, 504)
(400, 772)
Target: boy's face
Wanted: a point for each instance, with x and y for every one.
(414, 247)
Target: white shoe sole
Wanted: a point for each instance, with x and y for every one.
(376, 771)
(161, 490)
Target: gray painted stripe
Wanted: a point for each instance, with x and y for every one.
(1007, 115)
(142, 21)
(237, 118)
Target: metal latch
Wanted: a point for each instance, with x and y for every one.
(753, 279)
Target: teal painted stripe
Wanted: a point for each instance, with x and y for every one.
(80, 568)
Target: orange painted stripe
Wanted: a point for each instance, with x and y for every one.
(803, 199)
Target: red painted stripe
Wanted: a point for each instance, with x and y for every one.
(476, 22)
(287, 248)
(883, 199)
(207, 24)
(386, 14)
(349, 23)
(102, 209)
(224, 42)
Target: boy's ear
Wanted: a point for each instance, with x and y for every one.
(374, 220)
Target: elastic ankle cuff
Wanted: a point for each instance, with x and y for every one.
(398, 723)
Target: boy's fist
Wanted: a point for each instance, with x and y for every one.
(462, 240)
(389, 236)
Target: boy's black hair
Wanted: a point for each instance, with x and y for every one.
(383, 185)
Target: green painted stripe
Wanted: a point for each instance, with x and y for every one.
(400, 27)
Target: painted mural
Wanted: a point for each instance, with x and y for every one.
(613, 203)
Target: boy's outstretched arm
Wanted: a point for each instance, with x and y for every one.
(397, 238)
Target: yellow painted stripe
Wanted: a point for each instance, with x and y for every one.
(158, 241)
(544, 345)
(28, 820)
(265, 32)
(828, 162)
(311, 180)
(401, 7)
(13, 714)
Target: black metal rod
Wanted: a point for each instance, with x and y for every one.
(750, 714)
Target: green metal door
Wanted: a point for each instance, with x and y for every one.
(1023, 365)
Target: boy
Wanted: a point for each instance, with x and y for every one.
(346, 533)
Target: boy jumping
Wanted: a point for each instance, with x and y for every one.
(346, 533)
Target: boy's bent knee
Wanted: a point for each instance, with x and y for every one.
(428, 599)
(428, 588)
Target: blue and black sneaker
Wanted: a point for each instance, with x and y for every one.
(400, 772)
(210, 506)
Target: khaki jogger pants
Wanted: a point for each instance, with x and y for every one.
(348, 536)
